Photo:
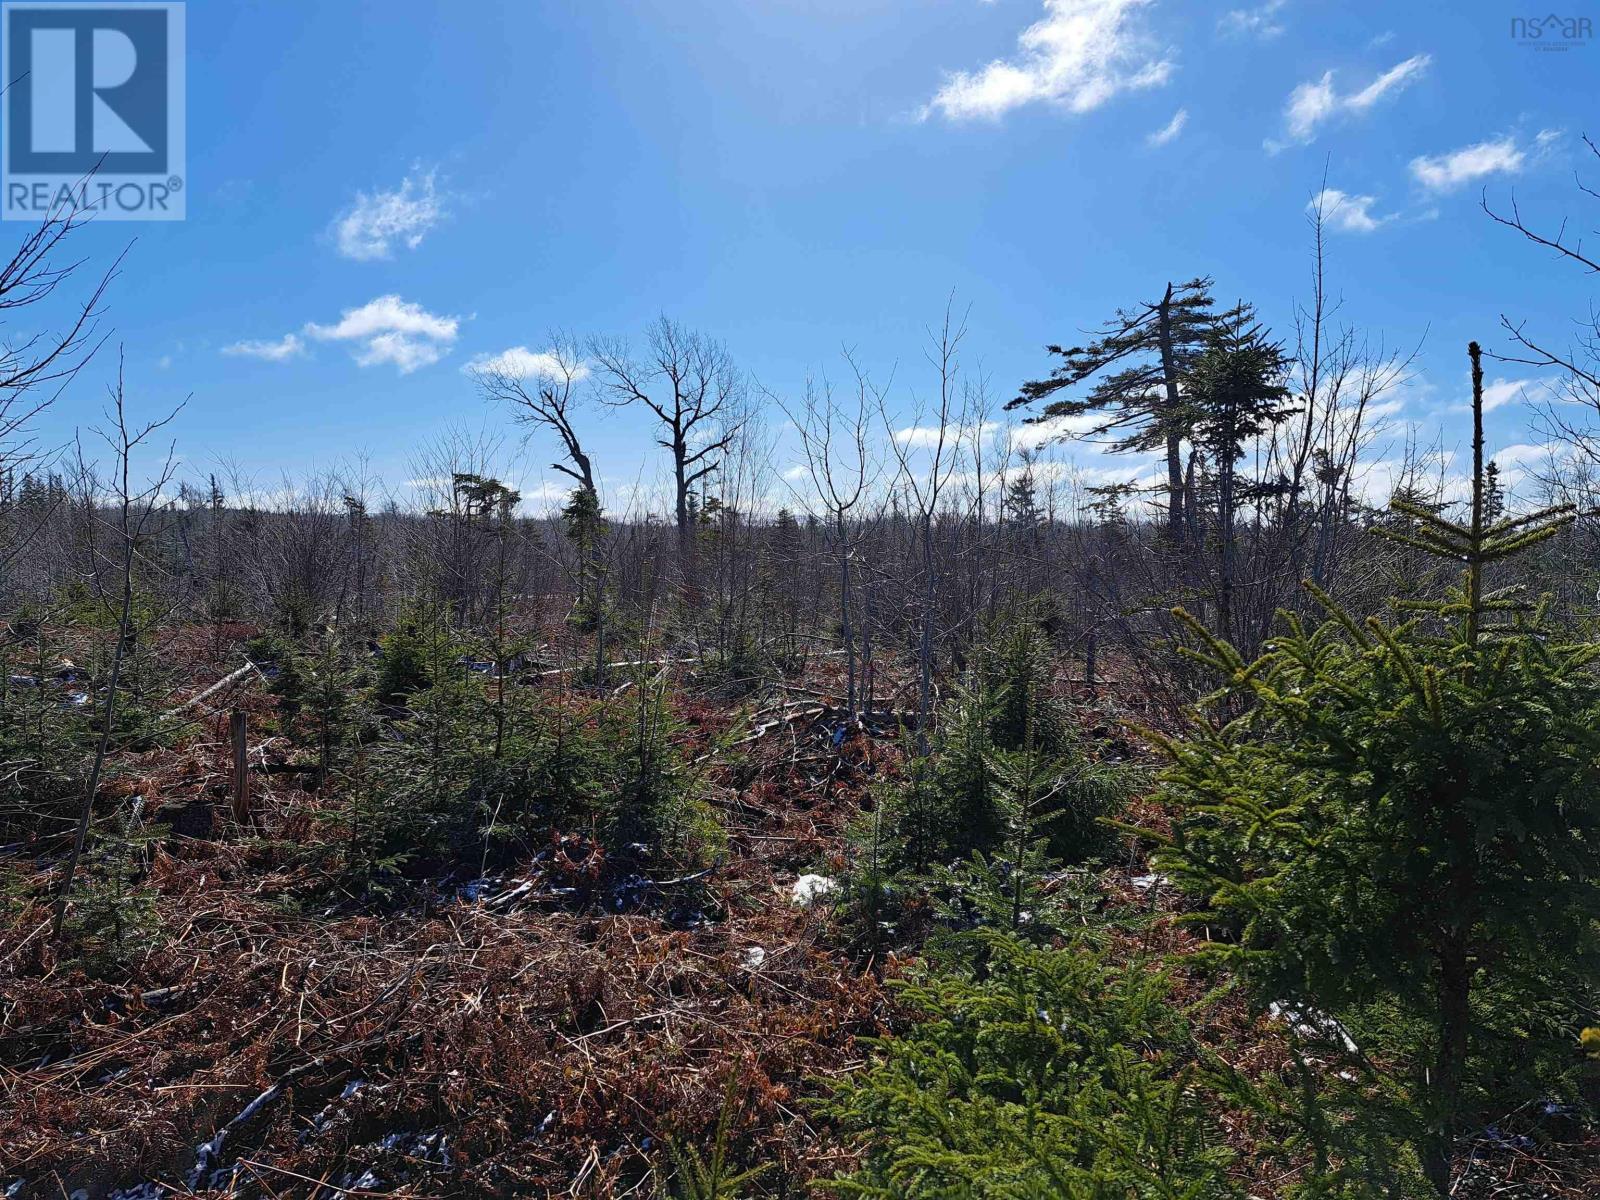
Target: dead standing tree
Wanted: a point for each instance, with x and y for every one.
(542, 393)
(690, 383)
(1312, 457)
(35, 367)
(1579, 363)
(926, 457)
(833, 441)
(133, 512)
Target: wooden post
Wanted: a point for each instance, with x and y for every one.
(238, 722)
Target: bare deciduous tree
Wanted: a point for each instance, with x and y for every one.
(922, 479)
(545, 398)
(134, 510)
(842, 468)
(689, 381)
(37, 366)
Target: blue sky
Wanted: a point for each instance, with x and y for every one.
(379, 192)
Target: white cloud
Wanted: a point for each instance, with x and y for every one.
(1077, 56)
(1381, 410)
(288, 346)
(391, 330)
(1261, 21)
(374, 223)
(1342, 211)
(1313, 104)
(1170, 130)
(1519, 456)
(405, 352)
(544, 492)
(929, 437)
(1396, 78)
(1042, 432)
(1500, 392)
(1445, 172)
(519, 362)
(1523, 465)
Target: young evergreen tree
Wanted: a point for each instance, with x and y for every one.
(1408, 814)
(1051, 1074)
(1237, 394)
(584, 523)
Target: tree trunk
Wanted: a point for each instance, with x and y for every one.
(925, 649)
(846, 627)
(1226, 472)
(680, 453)
(1174, 436)
(599, 602)
(1455, 981)
(107, 719)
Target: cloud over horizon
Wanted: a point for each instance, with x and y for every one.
(391, 330)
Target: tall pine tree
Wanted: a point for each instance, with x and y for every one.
(1141, 358)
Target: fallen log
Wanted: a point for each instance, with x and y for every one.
(226, 681)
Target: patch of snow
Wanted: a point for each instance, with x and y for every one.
(1309, 1023)
(813, 889)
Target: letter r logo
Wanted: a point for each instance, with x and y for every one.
(88, 88)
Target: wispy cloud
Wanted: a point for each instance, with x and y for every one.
(376, 222)
(391, 330)
(1500, 392)
(1077, 56)
(1315, 103)
(1446, 172)
(1170, 130)
(1261, 21)
(929, 437)
(1048, 430)
(1347, 213)
(288, 346)
(518, 362)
